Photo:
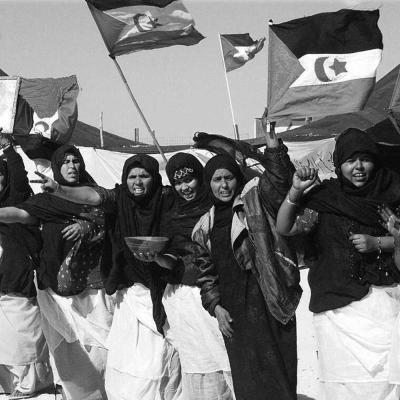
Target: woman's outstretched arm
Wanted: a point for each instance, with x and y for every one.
(80, 195)
(11, 215)
(303, 178)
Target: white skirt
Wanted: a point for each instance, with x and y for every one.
(76, 329)
(196, 336)
(355, 346)
(21, 336)
(141, 364)
(24, 356)
(194, 332)
(86, 317)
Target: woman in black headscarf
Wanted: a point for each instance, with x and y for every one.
(141, 364)
(75, 311)
(248, 275)
(353, 280)
(205, 366)
(24, 359)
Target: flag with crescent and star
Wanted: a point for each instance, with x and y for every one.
(324, 64)
(46, 114)
(239, 48)
(133, 25)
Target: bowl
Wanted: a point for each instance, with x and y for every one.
(146, 244)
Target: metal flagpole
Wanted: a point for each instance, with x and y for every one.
(139, 110)
(235, 127)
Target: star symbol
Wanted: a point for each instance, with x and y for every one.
(338, 67)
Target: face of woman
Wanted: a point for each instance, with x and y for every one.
(187, 187)
(358, 169)
(139, 181)
(70, 168)
(223, 185)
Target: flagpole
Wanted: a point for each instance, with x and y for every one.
(139, 110)
(235, 127)
(101, 130)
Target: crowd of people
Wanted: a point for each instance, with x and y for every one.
(212, 315)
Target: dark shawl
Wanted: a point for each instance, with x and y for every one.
(55, 214)
(21, 243)
(339, 274)
(138, 217)
(339, 196)
(186, 213)
(181, 221)
(223, 210)
(4, 192)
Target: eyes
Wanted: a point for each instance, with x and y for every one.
(218, 178)
(361, 159)
(186, 179)
(69, 160)
(139, 176)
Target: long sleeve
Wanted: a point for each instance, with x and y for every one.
(18, 177)
(208, 279)
(277, 177)
(108, 199)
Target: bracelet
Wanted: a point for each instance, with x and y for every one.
(292, 203)
(57, 188)
(379, 242)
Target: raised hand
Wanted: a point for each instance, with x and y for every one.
(47, 184)
(391, 222)
(224, 321)
(304, 177)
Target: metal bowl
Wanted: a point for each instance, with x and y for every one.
(146, 244)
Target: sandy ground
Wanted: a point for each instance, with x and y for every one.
(307, 368)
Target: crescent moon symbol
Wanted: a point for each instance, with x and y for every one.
(320, 70)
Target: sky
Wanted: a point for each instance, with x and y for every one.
(180, 89)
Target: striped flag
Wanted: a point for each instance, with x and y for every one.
(239, 48)
(46, 114)
(324, 64)
(133, 25)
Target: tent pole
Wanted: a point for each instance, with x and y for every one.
(101, 130)
(152, 134)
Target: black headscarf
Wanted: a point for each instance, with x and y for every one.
(57, 161)
(182, 164)
(50, 208)
(223, 210)
(139, 216)
(55, 214)
(20, 243)
(185, 215)
(339, 196)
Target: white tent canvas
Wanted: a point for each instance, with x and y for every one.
(106, 166)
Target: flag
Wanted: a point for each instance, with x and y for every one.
(46, 114)
(133, 25)
(324, 64)
(394, 105)
(237, 49)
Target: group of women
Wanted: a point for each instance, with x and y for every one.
(213, 315)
